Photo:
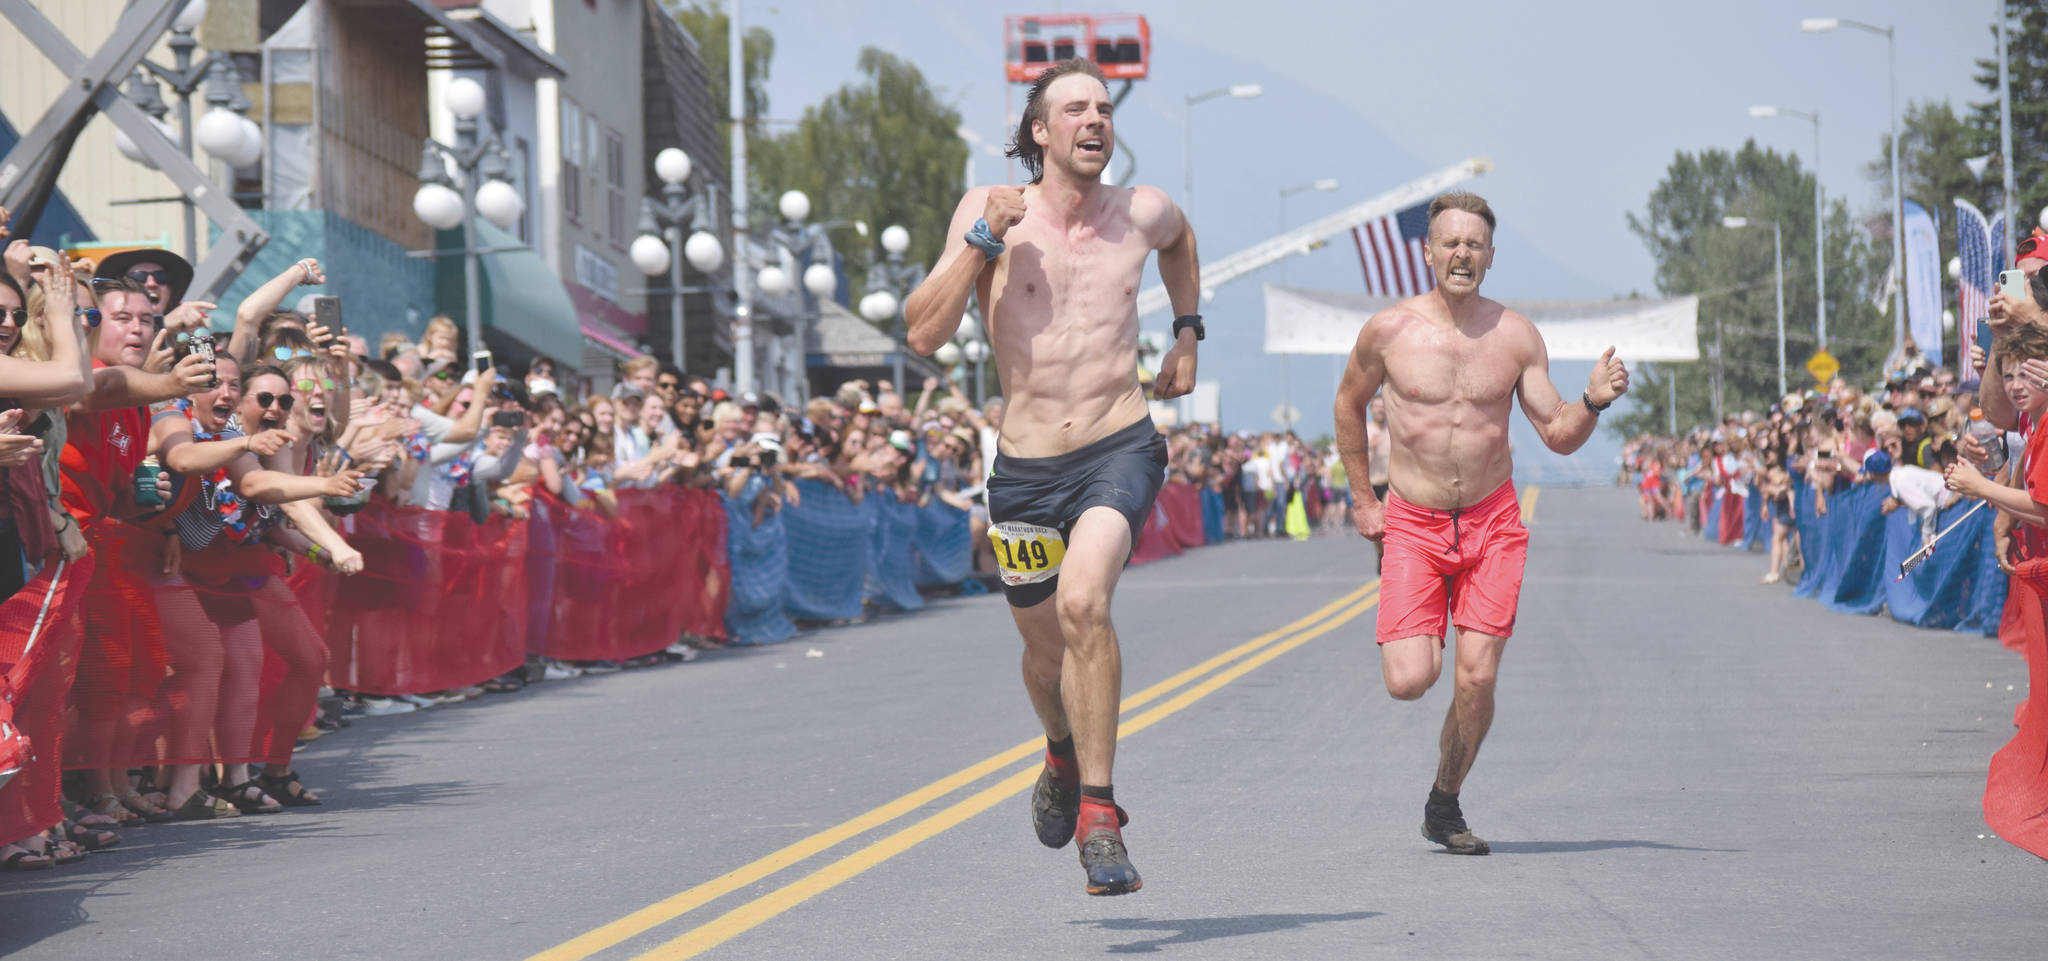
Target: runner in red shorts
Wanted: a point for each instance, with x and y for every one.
(1452, 362)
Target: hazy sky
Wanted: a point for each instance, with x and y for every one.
(1579, 105)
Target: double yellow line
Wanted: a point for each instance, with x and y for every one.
(1227, 667)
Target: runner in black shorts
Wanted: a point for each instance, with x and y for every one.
(1123, 471)
(1056, 265)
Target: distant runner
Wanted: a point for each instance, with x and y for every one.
(1451, 360)
(1056, 265)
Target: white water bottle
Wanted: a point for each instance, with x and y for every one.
(1991, 438)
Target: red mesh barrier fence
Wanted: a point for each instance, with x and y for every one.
(634, 584)
(118, 718)
(41, 682)
(440, 603)
(1154, 542)
(1183, 506)
(2016, 788)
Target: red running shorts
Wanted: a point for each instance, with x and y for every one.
(1466, 563)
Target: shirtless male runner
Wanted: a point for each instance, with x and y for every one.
(1451, 526)
(1056, 265)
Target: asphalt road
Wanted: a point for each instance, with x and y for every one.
(1685, 764)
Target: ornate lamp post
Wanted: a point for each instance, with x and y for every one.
(678, 210)
(889, 281)
(439, 205)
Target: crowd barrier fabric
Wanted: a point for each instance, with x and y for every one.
(1185, 520)
(2016, 786)
(759, 554)
(631, 585)
(441, 602)
(1212, 515)
(41, 682)
(943, 552)
(892, 582)
(1154, 541)
(828, 554)
(1852, 558)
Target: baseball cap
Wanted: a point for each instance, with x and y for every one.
(1912, 415)
(2031, 247)
(1877, 462)
(900, 439)
(768, 441)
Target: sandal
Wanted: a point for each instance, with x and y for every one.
(202, 806)
(110, 807)
(65, 852)
(287, 789)
(88, 837)
(14, 857)
(149, 812)
(248, 797)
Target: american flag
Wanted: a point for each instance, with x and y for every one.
(1390, 252)
(1973, 248)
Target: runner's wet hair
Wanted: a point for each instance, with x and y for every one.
(1466, 201)
(1022, 147)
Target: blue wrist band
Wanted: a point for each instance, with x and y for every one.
(983, 240)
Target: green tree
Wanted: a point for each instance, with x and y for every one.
(2027, 66)
(707, 22)
(882, 150)
(1933, 143)
(1732, 272)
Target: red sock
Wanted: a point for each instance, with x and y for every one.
(1065, 768)
(1096, 815)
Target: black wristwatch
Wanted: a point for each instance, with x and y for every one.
(1186, 321)
(1587, 398)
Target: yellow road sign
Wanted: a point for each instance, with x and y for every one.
(1823, 366)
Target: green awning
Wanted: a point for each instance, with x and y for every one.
(524, 303)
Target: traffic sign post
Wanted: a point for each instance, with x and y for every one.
(1823, 366)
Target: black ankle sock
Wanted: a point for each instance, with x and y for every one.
(1443, 803)
(1103, 793)
(1062, 748)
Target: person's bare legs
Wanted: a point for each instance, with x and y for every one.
(1471, 713)
(1045, 649)
(1091, 670)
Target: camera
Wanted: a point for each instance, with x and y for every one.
(508, 418)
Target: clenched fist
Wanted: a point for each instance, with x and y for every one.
(1004, 209)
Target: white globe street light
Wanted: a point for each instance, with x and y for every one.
(795, 206)
(132, 151)
(219, 133)
(820, 280)
(976, 351)
(464, 97)
(650, 254)
(895, 239)
(878, 306)
(1955, 268)
(773, 281)
(704, 252)
(500, 204)
(970, 329)
(948, 354)
(191, 17)
(2043, 219)
(438, 206)
(672, 166)
(251, 148)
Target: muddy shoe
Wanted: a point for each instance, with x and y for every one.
(1108, 864)
(1452, 833)
(1056, 802)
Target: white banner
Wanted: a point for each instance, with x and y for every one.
(1923, 282)
(1321, 322)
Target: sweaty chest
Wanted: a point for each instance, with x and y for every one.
(1082, 271)
(1439, 369)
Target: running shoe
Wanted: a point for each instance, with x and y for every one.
(1056, 802)
(385, 707)
(1452, 833)
(558, 671)
(1103, 856)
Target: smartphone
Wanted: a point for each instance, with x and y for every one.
(480, 361)
(2014, 283)
(327, 313)
(508, 418)
(1826, 455)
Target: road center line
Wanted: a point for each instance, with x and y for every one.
(747, 916)
(1529, 502)
(668, 909)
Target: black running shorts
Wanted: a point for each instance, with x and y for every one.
(1033, 503)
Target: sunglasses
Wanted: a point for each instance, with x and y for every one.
(17, 314)
(306, 385)
(286, 353)
(667, 385)
(705, 424)
(91, 315)
(162, 277)
(444, 374)
(283, 402)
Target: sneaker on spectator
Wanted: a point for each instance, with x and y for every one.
(681, 651)
(385, 706)
(558, 671)
(601, 667)
(471, 692)
(420, 701)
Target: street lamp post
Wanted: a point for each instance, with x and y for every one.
(441, 207)
(1778, 248)
(677, 211)
(890, 280)
(1242, 91)
(805, 251)
(225, 132)
(1820, 260)
(1823, 25)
